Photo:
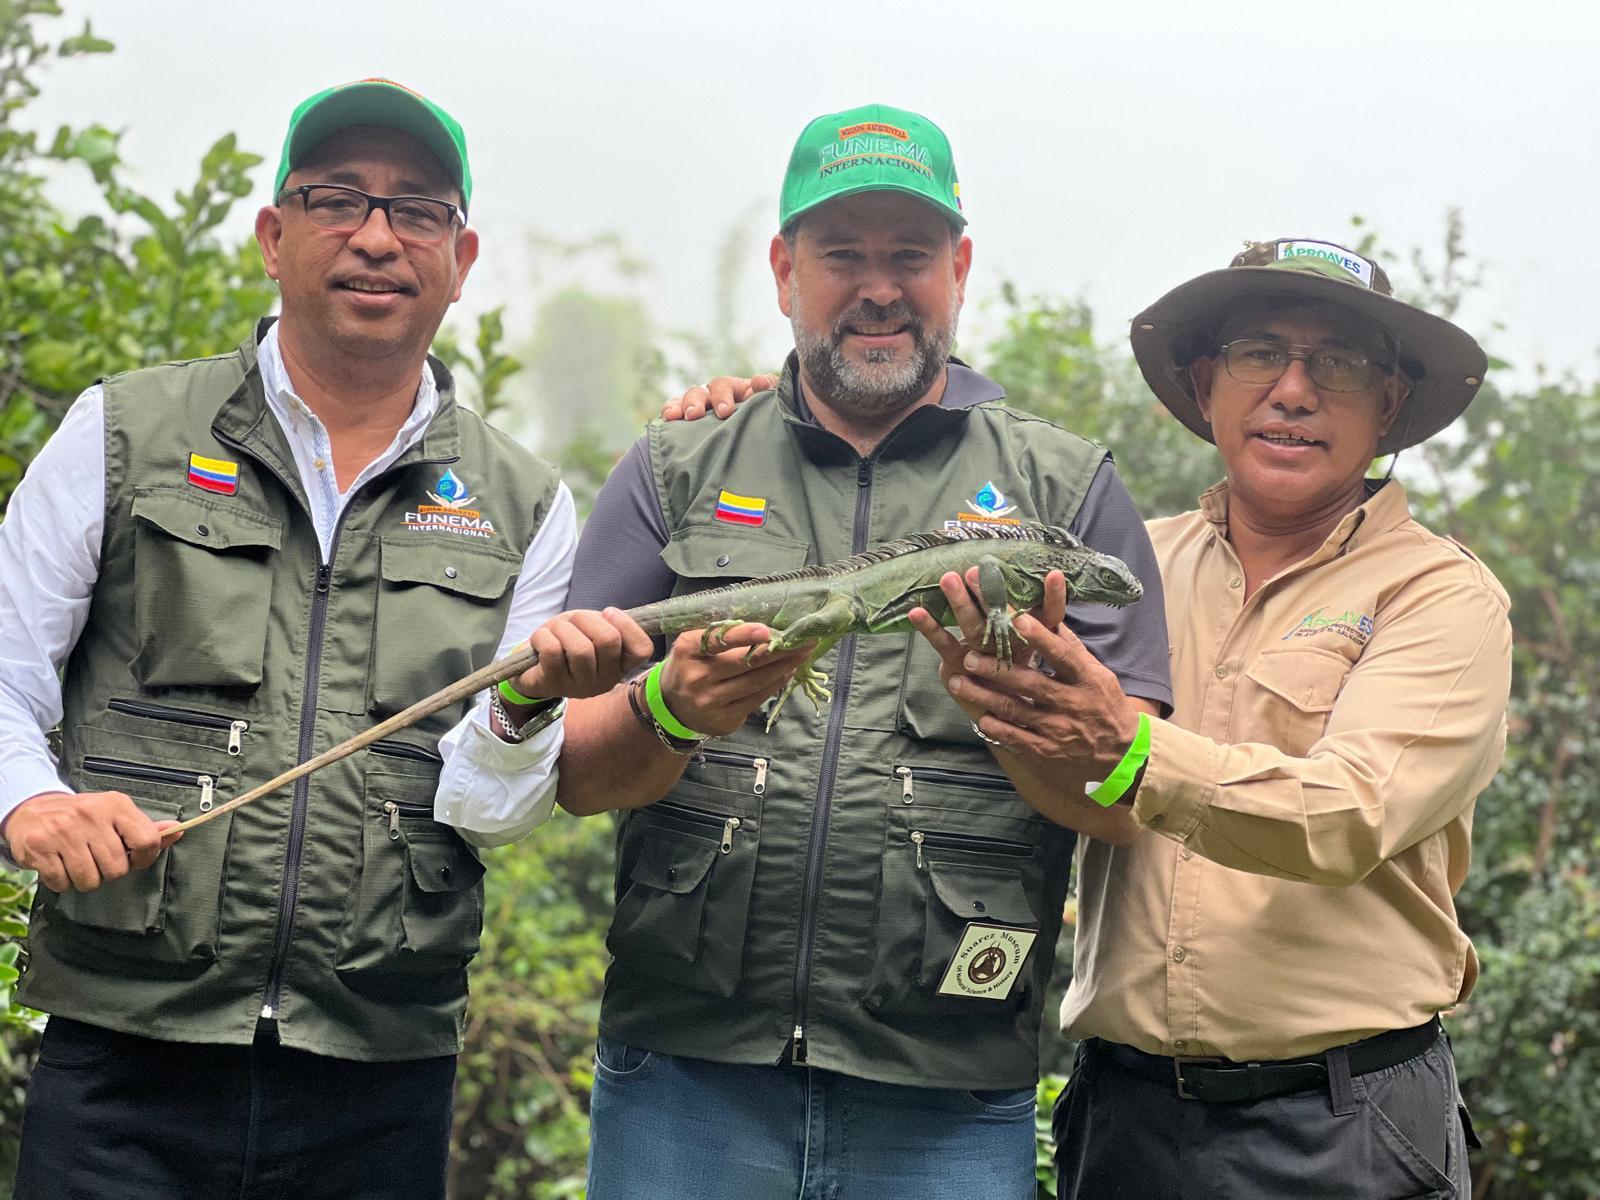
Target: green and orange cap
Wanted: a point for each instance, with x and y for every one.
(384, 103)
(872, 148)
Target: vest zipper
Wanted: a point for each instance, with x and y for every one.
(966, 779)
(818, 843)
(701, 817)
(407, 751)
(290, 890)
(173, 775)
(396, 810)
(236, 727)
(729, 759)
(969, 842)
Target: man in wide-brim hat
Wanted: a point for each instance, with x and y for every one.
(1258, 977)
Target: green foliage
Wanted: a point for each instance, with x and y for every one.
(522, 1095)
(1048, 360)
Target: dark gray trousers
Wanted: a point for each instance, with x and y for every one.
(1121, 1136)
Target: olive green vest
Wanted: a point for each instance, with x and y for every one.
(804, 892)
(220, 651)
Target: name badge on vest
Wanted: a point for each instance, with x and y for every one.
(987, 962)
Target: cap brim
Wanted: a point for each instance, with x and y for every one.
(953, 215)
(380, 104)
(1177, 329)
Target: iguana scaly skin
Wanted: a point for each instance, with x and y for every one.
(872, 592)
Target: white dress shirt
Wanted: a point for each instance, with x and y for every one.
(492, 791)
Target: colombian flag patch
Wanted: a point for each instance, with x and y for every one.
(214, 474)
(741, 510)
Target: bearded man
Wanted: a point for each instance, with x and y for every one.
(777, 1020)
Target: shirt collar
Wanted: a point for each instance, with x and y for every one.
(293, 413)
(1384, 509)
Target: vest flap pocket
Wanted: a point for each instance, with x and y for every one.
(442, 609)
(414, 911)
(213, 524)
(723, 552)
(1309, 678)
(440, 865)
(481, 572)
(133, 903)
(979, 893)
(674, 862)
(685, 869)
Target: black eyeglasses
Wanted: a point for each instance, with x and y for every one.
(346, 209)
(1332, 368)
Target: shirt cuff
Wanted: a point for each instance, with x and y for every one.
(1180, 780)
(493, 791)
(23, 778)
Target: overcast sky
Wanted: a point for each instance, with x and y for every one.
(1106, 150)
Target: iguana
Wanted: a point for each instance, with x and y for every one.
(869, 593)
(873, 592)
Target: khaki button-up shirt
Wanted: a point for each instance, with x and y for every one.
(1308, 807)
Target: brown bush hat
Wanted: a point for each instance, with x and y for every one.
(1443, 362)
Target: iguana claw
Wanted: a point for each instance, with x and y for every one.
(714, 632)
(997, 629)
(812, 682)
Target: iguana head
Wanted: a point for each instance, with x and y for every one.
(1092, 577)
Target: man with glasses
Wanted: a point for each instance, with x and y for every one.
(240, 561)
(1258, 976)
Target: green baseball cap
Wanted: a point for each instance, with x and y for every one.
(870, 149)
(1443, 363)
(381, 102)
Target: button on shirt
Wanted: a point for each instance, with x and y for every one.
(492, 791)
(1308, 806)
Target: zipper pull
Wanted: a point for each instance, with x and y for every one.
(798, 1055)
(761, 776)
(393, 809)
(207, 790)
(905, 784)
(236, 736)
(916, 840)
(728, 827)
(324, 573)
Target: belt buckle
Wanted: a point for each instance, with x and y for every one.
(1177, 1070)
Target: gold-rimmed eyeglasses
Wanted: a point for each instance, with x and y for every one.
(1332, 368)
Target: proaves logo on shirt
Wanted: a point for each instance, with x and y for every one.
(449, 512)
(1351, 624)
(987, 961)
(214, 474)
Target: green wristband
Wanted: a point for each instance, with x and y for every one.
(659, 710)
(1116, 784)
(512, 696)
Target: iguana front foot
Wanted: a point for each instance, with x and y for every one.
(714, 632)
(997, 629)
(812, 682)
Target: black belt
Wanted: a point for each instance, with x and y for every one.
(1221, 1081)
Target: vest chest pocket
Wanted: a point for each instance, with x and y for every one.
(1290, 697)
(158, 922)
(684, 875)
(943, 870)
(415, 909)
(202, 589)
(441, 614)
(705, 556)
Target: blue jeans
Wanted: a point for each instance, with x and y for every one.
(669, 1128)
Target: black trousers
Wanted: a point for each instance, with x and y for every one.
(111, 1115)
(1122, 1136)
